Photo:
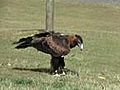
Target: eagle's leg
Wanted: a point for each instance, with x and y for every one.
(61, 62)
(55, 65)
(62, 65)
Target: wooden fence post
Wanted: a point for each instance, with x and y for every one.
(49, 15)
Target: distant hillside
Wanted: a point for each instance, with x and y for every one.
(102, 1)
(92, 1)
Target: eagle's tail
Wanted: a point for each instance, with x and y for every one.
(23, 43)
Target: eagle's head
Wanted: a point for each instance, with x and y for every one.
(76, 40)
(79, 41)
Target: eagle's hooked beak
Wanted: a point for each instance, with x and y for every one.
(81, 46)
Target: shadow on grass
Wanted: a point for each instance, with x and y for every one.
(46, 70)
(43, 70)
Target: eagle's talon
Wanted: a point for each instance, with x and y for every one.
(63, 73)
(57, 75)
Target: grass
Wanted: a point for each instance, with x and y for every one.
(98, 64)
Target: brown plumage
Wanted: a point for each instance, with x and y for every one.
(55, 44)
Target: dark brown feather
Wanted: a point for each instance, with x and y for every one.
(56, 45)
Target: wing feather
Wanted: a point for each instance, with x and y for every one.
(58, 45)
(54, 44)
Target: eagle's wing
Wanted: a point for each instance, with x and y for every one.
(54, 44)
(58, 45)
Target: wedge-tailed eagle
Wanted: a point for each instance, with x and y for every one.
(54, 43)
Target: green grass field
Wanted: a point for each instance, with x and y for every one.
(98, 65)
